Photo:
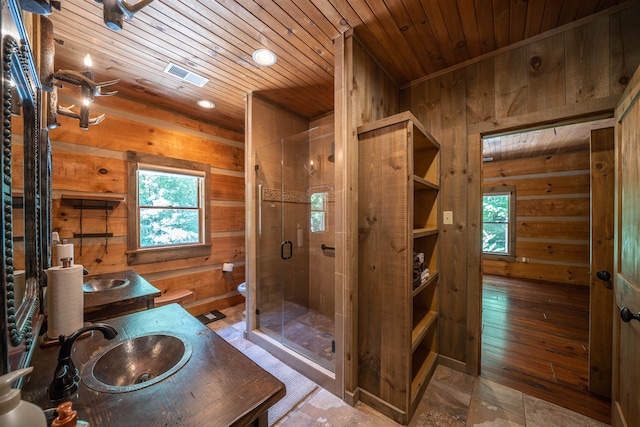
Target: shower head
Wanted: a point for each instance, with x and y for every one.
(332, 156)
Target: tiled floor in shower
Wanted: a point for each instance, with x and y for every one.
(306, 331)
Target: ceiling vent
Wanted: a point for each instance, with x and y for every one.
(185, 75)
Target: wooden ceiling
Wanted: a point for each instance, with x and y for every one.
(215, 39)
(542, 142)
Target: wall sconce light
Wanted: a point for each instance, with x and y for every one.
(89, 90)
(313, 166)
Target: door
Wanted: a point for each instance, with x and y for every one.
(626, 324)
(601, 286)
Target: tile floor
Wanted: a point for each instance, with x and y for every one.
(451, 399)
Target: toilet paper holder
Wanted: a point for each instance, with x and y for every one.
(227, 267)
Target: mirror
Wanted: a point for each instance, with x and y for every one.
(26, 165)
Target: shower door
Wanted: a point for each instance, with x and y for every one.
(284, 259)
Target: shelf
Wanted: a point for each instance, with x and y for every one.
(99, 202)
(423, 232)
(423, 184)
(433, 278)
(426, 319)
(424, 372)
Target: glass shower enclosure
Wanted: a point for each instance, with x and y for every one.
(295, 255)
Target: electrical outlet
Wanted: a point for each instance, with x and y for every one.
(447, 217)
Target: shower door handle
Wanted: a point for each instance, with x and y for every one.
(282, 246)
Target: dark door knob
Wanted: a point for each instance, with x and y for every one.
(627, 316)
(603, 275)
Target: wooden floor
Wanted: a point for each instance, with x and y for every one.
(535, 338)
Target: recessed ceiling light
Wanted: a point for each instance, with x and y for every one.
(204, 103)
(264, 57)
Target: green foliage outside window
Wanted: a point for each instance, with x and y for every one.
(318, 203)
(170, 208)
(495, 227)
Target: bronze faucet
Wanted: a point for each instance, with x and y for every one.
(66, 377)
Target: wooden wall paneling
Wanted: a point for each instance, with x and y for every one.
(204, 284)
(570, 206)
(124, 108)
(452, 330)
(99, 258)
(480, 80)
(539, 271)
(424, 102)
(371, 261)
(227, 218)
(121, 134)
(227, 187)
(394, 265)
(376, 95)
(82, 172)
(347, 211)
(67, 226)
(511, 83)
(546, 68)
(625, 56)
(552, 229)
(563, 184)
(93, 163)
(602, 241)
(546, 250)
(587, 69)
(474, 262)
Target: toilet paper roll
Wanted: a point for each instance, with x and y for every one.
(227, 266)
(65, 300)
(18, 286)
(64, 251)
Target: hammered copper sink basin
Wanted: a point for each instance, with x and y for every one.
(137, 362)
(99, 285)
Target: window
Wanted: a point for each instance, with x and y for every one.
(498, 220)
(318, 211)
(169, 218)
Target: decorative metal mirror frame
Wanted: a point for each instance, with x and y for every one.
(20, 84)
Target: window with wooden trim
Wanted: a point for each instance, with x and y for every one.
(168, 209)
(498, 222)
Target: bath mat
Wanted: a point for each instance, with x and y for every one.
(211, 316)
(298, 386)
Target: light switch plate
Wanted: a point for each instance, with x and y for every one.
(447, 217)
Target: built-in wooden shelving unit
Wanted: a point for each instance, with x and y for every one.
(398, 216)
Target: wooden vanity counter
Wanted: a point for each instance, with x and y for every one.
(137, 295)
(218, 386)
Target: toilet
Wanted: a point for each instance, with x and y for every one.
(242, 288)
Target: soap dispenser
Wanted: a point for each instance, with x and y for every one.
(67, 417)
(13, 411)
